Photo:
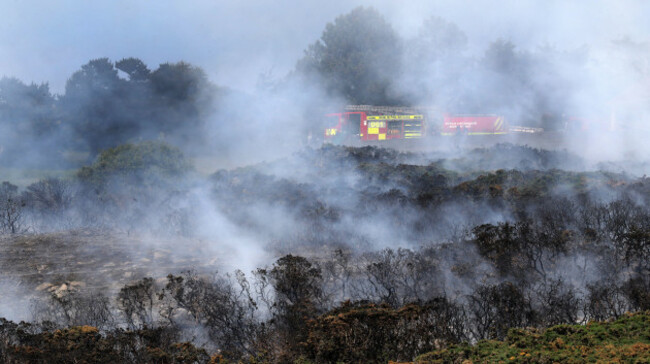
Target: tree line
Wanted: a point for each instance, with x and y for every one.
(359, 59)
(105, 104)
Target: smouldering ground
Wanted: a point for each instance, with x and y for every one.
(97, 259)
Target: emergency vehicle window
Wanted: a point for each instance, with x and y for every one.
(354, 123)
(331, 121)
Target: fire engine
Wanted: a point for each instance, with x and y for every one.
(373, 123)
(377, 123)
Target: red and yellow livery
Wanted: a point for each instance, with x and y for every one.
(367, 127)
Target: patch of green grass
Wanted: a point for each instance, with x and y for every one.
(626, 340)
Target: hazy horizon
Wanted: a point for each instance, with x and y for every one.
(45, 42)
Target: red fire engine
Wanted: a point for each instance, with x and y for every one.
(374, 123)
(370, 123)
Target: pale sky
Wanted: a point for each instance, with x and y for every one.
(235, 41)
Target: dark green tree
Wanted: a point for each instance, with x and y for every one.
(95, 106)
(358, 56)
(28, 117)
(434, 62)
(183, 98)
(105, 110)
(135, 68)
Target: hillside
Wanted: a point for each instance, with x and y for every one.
(334, 254)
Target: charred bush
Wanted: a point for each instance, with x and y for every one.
(401, 276)
(136, 303)
(12, 219)
(372, 333)
(605, 300)
(74, 308)
(226, 312)
(637, 292)
(555, 303)
(496, 309)
(297, 294)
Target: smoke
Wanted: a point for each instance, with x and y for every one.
(14, 300)
(556, 65)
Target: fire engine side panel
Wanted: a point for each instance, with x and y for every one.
(376, 130)
(475, 125)
(374, 127)
(386, 127)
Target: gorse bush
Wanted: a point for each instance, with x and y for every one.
(147, 163)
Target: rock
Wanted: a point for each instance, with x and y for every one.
(77, 284)
(44, 286)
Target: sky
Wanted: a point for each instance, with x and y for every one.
(236, 41)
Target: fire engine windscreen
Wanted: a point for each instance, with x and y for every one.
(331, 121)
(332, 124)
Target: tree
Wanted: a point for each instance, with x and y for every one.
(534, 86)
(555, 303)
(51, 195)
(224, 310)
(50, 203)
(182, 98)
(178, 82)
(401, 276)
(11, 209)
(434, 63)
(105, 110)
(135, 68)
(297, 290)
(94, 104)
(27, 108)
(605, 300)
(357, 57)
(136, 301)
(498, 308)
(73, 308)
(501, 57)
(28, 122)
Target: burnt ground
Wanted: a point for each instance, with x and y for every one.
(96, 260)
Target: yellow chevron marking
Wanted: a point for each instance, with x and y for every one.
(498, 125)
